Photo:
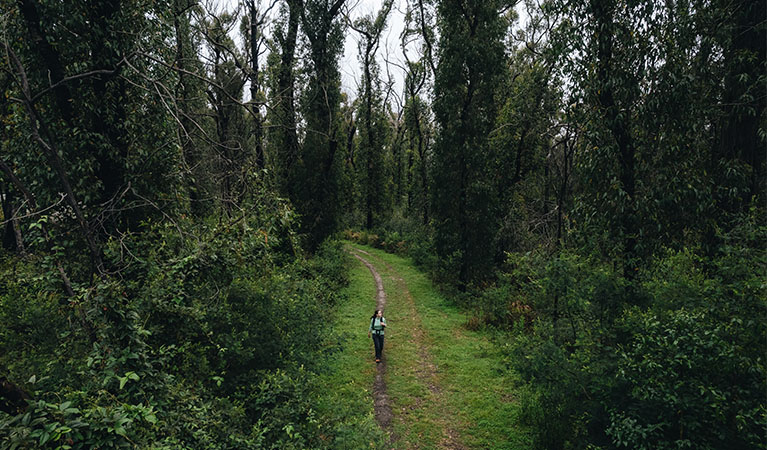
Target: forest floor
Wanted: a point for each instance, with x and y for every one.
(439, 384)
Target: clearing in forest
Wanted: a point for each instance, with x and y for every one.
(439, 385)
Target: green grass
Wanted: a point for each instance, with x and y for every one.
(476, 394)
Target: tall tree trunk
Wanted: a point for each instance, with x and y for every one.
(255, 83)
(422, 148)
(109, 118)
(189, 156)
(286, 108)
(619, 128)
(371, 144)
(49, 57)
(744, 102)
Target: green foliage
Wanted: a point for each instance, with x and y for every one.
(109, 136)
(313, 179)
(471, 57)
(204, 352)
(595, 194)
(657, 166)
(523, 157)
(690, 380)
(558, 404)
(371, 159)
(26, 335)
(684, 371)
(285, 416)
(400, 236)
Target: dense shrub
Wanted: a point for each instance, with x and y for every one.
(201, 340)
(688, 381)
(675, 360)
(400, 237)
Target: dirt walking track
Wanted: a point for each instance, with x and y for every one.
(426, 370)
(381, 398)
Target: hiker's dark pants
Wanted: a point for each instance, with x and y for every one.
(378, 342)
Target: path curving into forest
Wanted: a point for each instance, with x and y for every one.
(426, 370)
(381, 405)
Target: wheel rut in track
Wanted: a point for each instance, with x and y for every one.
(381, 404)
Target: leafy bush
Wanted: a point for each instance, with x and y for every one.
(688, 382)
(204, 339)
(674, 360)
(414, 242)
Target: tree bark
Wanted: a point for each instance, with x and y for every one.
(49, 57)
(285, 92)
(255, 83)
(189, 156)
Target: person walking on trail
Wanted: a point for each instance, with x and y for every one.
(376, 329)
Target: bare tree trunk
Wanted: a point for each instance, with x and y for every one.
(182, 94)
(17, 233)
(427, 36)
(254, 82)
(371, 138)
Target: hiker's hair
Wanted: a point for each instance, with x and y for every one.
(375, 314)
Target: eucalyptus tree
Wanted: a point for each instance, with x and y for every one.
(254, 26)
(190, 107)
(418, 137)
(421, 20)
(419, 71)
(654, 89)
(469, 68)
(282, 134)
(521, 145)
(315, 174)
(371, 157)
(224, 92)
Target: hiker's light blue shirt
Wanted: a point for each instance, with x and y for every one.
(377, 325)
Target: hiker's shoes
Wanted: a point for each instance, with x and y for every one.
(378, 360)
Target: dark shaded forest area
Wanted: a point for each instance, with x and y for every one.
(586, 179)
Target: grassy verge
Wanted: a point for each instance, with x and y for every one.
(346, 400)
(468, 397)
